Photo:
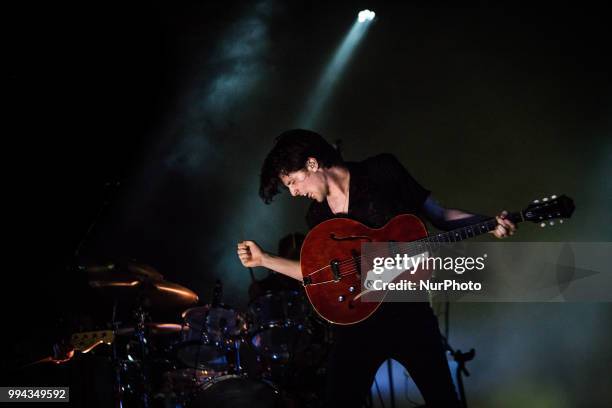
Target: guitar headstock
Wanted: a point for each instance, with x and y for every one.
(87, 341)
(544, 211)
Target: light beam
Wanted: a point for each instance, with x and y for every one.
(334, 69)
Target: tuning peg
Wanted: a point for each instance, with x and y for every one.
(551, 223)
(552, 197)
(536, 201)
(545, 199)
(543, 224)
(560, 221)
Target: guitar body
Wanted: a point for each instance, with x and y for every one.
(340, 239)
(331, 254)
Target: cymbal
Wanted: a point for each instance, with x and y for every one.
(120, 269)
(144, 270)
(153, 328)
(150, 293)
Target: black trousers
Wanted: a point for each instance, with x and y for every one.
(406, 332)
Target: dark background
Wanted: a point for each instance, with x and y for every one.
(488, 106)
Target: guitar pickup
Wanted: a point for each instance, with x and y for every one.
(356, 261)
(335, 267)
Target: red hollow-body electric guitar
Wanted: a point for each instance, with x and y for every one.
(331, 254)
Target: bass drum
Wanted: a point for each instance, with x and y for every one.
(234, 391)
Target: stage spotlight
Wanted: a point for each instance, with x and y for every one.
(334, 69)
(365, 15)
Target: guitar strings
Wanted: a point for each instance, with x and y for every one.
(417, 243)
(485, 226)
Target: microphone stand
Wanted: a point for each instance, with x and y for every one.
(460, 357)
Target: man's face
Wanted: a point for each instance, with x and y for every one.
(308, 182)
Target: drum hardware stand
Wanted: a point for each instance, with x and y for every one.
(141, 316)
(238, 364)
(203, 337)
(115, 359)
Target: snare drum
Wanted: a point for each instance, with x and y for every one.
(278, 324)
(208, 337)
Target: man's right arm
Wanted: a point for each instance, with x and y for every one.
(251, 256)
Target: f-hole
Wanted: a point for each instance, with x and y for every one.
(349, 237)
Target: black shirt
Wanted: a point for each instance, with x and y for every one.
(380, 188)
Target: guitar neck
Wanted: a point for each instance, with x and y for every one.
(459, 234)
(471, 231)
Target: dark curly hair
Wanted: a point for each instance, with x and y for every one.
(290, 152)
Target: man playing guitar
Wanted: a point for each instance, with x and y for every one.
(372, 192)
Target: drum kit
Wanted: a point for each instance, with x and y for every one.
(213, 355)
